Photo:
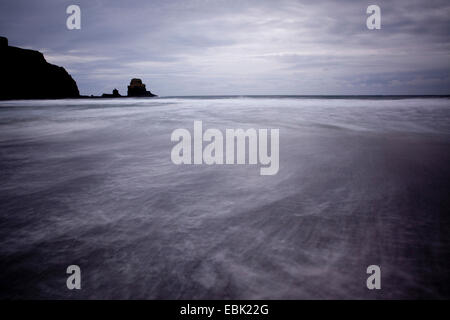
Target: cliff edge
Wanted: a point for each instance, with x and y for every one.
(25, 74)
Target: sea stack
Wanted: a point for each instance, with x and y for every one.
(25, 74)
(137, 89)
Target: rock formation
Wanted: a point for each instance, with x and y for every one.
(115, 94)
(137, 89)
(25, 74)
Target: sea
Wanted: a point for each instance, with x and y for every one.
(362, 181)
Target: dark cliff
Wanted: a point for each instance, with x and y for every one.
(25, 74)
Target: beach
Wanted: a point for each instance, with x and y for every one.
(90, 182)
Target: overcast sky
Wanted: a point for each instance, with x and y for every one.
(215, 47)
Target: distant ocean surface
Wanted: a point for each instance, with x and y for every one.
(362, 181)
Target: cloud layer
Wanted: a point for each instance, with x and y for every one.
(206, 47)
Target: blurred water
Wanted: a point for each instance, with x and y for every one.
(90, 182)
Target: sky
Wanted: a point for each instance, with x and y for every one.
(245, 47)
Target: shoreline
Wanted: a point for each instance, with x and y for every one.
(378, 97)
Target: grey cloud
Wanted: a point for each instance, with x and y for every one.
(242, 47)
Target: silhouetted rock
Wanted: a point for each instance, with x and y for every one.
(137, 89)
(3, 42)
(115, 94)
(25, 74)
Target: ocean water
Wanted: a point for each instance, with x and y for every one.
(362, 181)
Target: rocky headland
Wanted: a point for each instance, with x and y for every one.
(25, 74)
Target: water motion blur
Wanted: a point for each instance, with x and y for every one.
(90, 182)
